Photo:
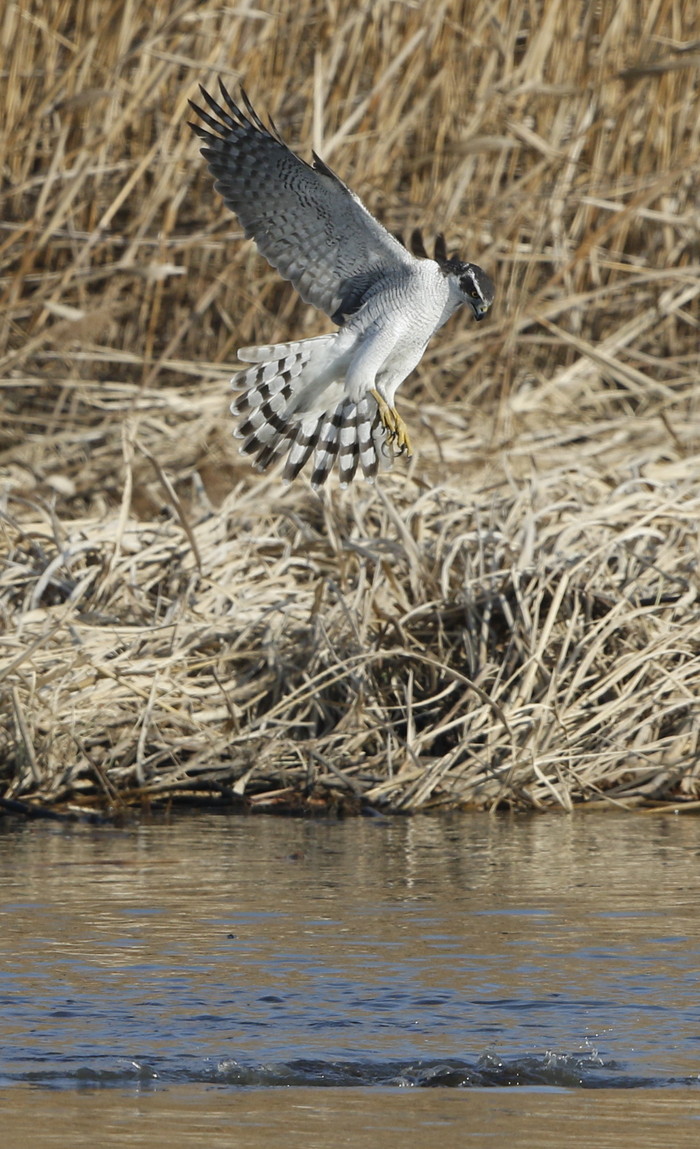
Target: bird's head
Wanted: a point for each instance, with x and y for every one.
(478, 288)
(473, 284)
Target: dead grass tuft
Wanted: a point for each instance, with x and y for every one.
(513, 618)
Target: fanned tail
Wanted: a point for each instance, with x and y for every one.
(291, 406)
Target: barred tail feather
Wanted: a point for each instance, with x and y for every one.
(354, 436)
(305, 438)
(290, 405)
(362, 442)
(269, 352)
(372, 450)
(348, 453)
(270, 383)
(327, 446)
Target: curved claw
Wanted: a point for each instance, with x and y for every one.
(397, 432)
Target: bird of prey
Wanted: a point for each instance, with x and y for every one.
(330, 397)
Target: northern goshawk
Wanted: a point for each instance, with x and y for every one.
(331, 396)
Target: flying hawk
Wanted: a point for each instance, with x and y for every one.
(332, 396)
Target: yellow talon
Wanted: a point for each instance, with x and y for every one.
(396, 429)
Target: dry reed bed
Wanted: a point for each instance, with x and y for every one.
(511, 619)
(408, 645)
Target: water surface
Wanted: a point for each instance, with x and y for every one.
(227, 953)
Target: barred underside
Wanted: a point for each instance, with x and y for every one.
(275, 421)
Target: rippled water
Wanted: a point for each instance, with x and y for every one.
(226, 952)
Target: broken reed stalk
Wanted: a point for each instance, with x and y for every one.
(511, 619)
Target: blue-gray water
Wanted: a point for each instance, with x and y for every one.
(229, 951)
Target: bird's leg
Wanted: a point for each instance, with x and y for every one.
(396, 429)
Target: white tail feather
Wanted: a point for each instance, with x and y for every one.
(293, 401)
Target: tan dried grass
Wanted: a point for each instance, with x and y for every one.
(510, 619)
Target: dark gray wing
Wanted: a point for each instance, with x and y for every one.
(305, 220)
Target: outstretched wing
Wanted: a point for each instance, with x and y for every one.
(305, 220)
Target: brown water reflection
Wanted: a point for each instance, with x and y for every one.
(192, 1116)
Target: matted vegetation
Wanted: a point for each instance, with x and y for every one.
(511, 618)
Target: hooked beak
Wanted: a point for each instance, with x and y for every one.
(479, 308)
